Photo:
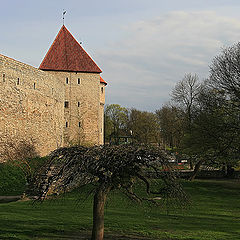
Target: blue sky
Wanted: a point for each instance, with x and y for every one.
(143, 47)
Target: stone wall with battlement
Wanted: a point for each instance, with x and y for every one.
(31, 105)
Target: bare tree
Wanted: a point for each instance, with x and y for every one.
(185, 94)
(18, 152)
(108, 168)
(225, 72)
(225, 81)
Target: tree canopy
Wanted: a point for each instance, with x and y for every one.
(225, 72)
(144, 126)
(108, 168)
(116, 120)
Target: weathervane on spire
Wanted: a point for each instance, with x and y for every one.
(64, 12)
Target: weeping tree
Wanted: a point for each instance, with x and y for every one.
(109, 168)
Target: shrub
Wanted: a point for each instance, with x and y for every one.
(12, 180)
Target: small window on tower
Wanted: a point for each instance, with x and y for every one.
(102, 89)
(79, 124)
(18, 81)
(78, 104)
(34, 85)
(79, 80)
(66, 104)
(67, 80)
(66, 124)
(4, 76)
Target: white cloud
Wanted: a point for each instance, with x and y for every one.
(153, 55)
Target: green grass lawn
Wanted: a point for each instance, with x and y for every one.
(214, 214)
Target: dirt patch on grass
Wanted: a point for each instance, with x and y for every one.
(6, 199)
(107, 236)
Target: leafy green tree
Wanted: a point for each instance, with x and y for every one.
(172, 121)
(216, 128)
(215, 135)
(144, 126)
(115, 120)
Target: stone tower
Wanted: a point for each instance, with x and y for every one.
(84, 89)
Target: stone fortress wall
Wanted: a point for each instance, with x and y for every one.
(59, 104)
(83, 114)
(31, 105)
(101, 112)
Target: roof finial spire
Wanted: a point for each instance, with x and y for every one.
(64, 12)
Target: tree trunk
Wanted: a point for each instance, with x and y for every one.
(196, 169)
(191, 164)
(225, 169)
(230, 171)
(98, 212)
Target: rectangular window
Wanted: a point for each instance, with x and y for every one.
(79, 124)
(66, 104)
(18, 81)
(67, 80)
(102, 89)
(78, 104)
(4, 77)
(79, 81)
(66, 124)
(34, 85)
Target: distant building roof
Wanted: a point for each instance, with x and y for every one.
(66, 54)
(102, 81)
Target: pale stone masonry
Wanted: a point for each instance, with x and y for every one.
(31, 105)
(101, 112)
(55, 106)
(83, 107)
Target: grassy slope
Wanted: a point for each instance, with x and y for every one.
(215, 214)
(12, 181)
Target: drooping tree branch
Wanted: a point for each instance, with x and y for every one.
(109, 167)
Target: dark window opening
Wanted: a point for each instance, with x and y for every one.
(102, 89)
(34, 86)
(18, 81)
(66, 124)
(4, 77)
(66, 80)
(66, 104)
(79, 124)
(78, 104)
(79, 81)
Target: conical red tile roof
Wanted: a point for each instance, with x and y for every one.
(102, 81)
(66, 54)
